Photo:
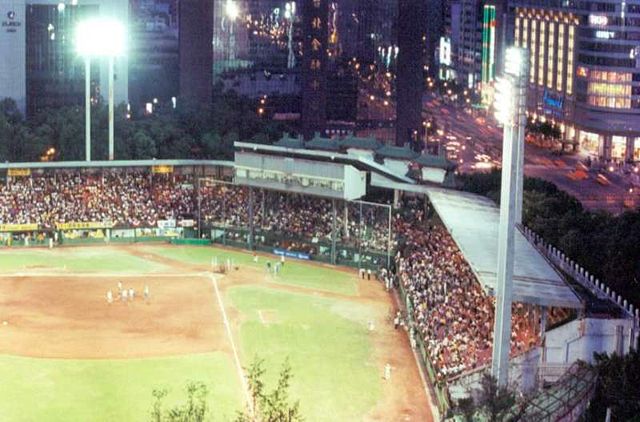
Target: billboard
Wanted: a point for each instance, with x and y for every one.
(445, 51)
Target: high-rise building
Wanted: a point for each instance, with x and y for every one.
(314, 66)
(196, 51)
(412, 28)
(550, 37)
(587, 63)
(40, 67)
(153, 64)
(607, 79)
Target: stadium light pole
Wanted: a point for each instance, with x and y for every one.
(232, 11)
(510, 103)
(99, 37)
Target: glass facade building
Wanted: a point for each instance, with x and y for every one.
(608, 79)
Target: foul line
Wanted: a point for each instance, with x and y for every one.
(243, 379)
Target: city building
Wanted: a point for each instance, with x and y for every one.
(468, 53)
(314, 67)
(607, 79)
(153, 59)
(410, 83)
(586, 72)
(40, 67)
(550, 36)
(196, 52)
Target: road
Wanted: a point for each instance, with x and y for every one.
(475, 142)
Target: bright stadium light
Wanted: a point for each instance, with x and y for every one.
(99, 37)
(513, 61)
(504, 100)
(232, 10)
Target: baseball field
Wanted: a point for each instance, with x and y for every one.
(66, 354)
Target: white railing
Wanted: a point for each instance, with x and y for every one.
(580, 275)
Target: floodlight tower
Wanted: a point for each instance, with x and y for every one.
(510, 105)
(232, 11)
(99, 37)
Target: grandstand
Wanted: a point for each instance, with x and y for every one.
(352, 204)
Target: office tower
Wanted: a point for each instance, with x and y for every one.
(411, 29)
(314, 66)
(196, 52)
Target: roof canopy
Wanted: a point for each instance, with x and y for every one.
(472, 221)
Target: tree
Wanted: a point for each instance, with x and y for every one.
(274, 406)
(194, 410)
(617, 388)
(495, 403)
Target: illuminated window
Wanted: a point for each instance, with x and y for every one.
(316, 23)
(517, 32)
(550, 58)
(315, 64)
(532, 49)
(572, 30)
(543, 34)
(559, 73)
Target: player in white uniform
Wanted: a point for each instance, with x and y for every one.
(124, 294)
(145, 292)
(119, 286)
(109, 297)
(132, 293)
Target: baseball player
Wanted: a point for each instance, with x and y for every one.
(145, 292)
(119, 286)
(109, 297)
(132, 293)
(124, 295)
(387, 371)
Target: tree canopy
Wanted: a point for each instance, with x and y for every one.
(188, 131)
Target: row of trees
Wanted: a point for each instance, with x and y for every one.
(607, 246)
(188, 131)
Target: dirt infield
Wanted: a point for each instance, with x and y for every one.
(72, 313)
(181, 317)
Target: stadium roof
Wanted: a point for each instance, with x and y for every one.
(472, 220)
(114, 163)
(473, 223)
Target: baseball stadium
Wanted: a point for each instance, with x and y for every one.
(359, 266)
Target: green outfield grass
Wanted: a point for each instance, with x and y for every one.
(110, 390)
(327, 343)
(76, 259)
(294, 272)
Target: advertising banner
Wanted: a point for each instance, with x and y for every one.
(292, 254)
(18, 227)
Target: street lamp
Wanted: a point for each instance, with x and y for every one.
(99, 37)
(510, 107)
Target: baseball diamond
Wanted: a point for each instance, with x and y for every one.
(74, 356)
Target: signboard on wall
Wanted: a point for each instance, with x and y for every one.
(18, 172)
(445, 51)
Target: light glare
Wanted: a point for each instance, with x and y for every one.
(100, 37)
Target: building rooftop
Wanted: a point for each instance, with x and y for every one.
(400, 153)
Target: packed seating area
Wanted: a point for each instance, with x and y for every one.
(139, 199)
(454, 316)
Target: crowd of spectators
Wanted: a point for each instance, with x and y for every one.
(124, 199)
(140, 199)
(452, 313)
